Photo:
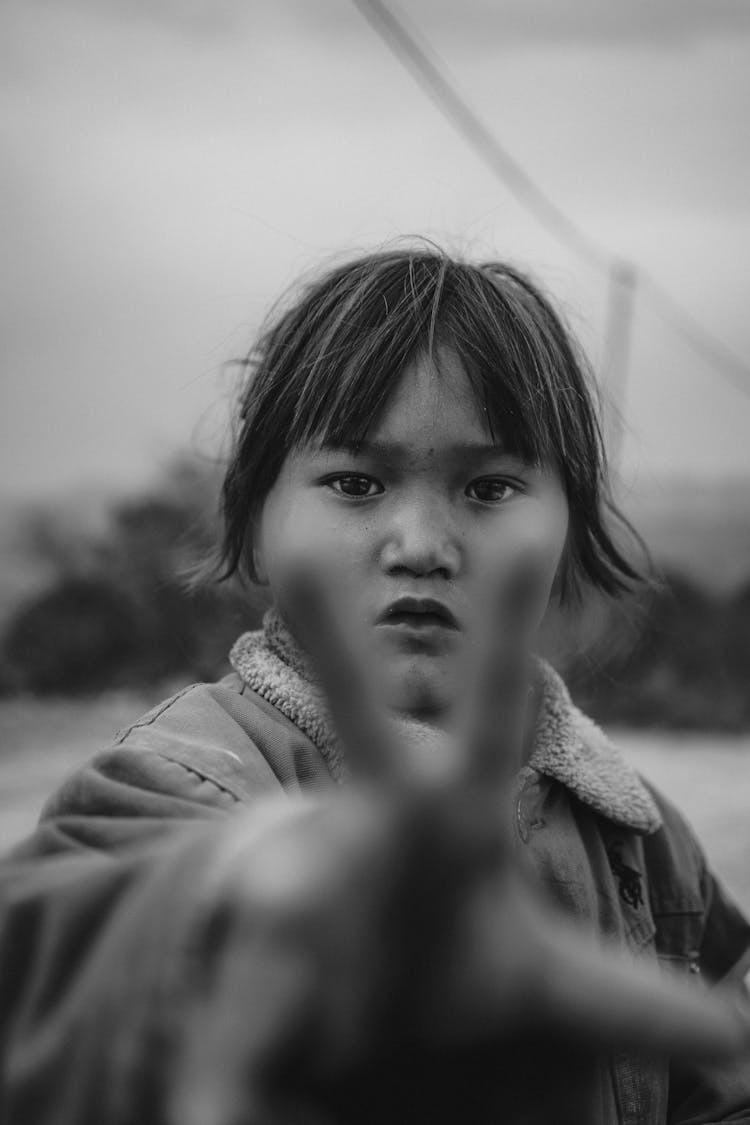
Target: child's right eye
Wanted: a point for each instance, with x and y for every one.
(355, 485)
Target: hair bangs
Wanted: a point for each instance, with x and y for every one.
(504, 411)
(381, 329)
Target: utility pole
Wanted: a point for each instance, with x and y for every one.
(622, 282)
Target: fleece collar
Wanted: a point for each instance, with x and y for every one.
(567, 745)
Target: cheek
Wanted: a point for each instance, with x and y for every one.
(299, 529)
(521, 562)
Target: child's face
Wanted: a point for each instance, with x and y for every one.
(430, 509)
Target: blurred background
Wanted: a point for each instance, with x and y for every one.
(169, 166)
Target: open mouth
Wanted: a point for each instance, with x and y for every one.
(419, 614)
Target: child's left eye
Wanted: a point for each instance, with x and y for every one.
(355, 485)
(490, 490)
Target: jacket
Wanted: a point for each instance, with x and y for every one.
(90, 899)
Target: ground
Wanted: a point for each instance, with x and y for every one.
(707, 776)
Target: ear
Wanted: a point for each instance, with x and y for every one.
(259, 569)
(561, 585)
(558, 584)
(254, 551)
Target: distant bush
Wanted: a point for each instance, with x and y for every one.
(679, 658)
(118, 610)
(78, 636)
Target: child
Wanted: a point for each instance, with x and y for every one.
(419, 433)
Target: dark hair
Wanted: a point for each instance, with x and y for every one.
(325, 366)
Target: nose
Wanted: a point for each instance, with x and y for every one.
(422, 542)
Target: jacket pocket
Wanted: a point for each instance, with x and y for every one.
(678, 941)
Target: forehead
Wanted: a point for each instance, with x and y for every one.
(434, 404)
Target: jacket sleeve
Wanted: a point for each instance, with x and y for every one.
(195, 755)
(96, 910)
(105, 962)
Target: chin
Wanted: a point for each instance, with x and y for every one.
(418, 683)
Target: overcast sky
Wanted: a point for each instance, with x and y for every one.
(168, 166)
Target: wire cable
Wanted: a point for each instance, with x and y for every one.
(424, 67)
(445, 96)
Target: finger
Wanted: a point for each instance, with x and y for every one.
(522, 966)
(602, 996)
(343, 675)
(496, 697)
(256, 1004)
(573, 983)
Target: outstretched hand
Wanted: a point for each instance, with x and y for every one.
(383, 956)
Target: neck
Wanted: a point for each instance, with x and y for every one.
(442, 744)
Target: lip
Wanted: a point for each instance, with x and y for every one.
(418, 614)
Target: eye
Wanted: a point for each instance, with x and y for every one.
(491, 490)
(355, 486)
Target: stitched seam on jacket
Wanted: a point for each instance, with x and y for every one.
(202, 775)
(151, 716)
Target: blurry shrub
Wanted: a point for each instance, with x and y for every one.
(75, 637)
(118, 610)
(676, 657)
